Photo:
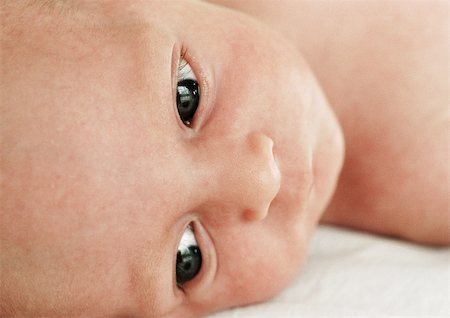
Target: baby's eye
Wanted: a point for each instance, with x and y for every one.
(189, 257)
(188, 93)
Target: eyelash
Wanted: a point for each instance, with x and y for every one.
(181, 66)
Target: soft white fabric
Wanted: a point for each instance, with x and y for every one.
(353, 274)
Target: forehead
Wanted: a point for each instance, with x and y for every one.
(101, 85)
(91, 60)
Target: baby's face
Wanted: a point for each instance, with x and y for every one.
(104, 179)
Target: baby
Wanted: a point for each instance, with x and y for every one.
(172, 158)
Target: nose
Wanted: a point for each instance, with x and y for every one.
(251, 178)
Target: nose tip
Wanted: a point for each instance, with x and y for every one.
(264, 177)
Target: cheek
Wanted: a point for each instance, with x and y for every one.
(258, 264)
(77, 208)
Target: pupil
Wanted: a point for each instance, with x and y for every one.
(187, 99)
(188, 265)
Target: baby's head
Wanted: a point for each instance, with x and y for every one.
(106, 169)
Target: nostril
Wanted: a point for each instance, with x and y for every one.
(254, 215)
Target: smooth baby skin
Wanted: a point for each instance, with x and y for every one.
(100, 177)
(383, 66)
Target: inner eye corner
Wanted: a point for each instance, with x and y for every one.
(183, 51)
(191, 226)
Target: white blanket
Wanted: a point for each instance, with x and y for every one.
(353, 274)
